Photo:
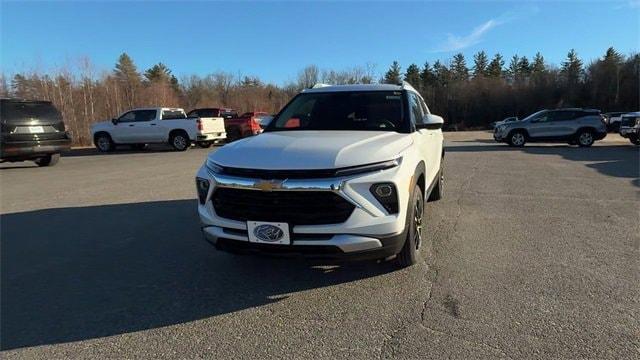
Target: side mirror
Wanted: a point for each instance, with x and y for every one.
(431, 122)
(114, 121)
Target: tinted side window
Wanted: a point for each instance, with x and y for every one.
(172, 115)
(145, 115)
(128, 117)
(415, 108)
(563, 115)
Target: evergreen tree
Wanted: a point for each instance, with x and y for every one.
(524, 69)
(538, 66)
(512, 70)
(392, 76)
(572, 70)
(427, 76)
(158, 72)
(480, 64)
(442, 73)
(495, 66)
(125, 69)
(459, 70)
(412, 75)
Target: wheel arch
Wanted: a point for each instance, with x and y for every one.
(523, 130)
(101, 132)
(178, 131)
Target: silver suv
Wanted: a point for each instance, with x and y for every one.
(574, 126)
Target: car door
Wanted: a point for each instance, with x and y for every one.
(562, 124)
(121, 131)
(539, 126)
(435, 141)
(421, 137)
(154, 131)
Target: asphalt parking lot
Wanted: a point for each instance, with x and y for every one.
(534, 254)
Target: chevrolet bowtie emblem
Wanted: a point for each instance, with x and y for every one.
(268, 185)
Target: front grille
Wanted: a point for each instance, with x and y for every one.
(292, 207)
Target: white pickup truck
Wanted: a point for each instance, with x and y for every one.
(139, 127)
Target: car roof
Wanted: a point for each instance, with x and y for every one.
(636, 113)
(322, 88)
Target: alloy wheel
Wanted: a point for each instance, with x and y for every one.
(517, 139)
(586, 138)
(417, 222)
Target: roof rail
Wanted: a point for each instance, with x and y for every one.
(405, 85)
(320, 85)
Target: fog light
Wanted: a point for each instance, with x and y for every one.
(202, 185)
(386, 194)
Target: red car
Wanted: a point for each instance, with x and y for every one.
(247, 124)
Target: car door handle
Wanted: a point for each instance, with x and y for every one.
(152, 124)
(131, 125)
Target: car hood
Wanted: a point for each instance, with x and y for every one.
(101, 124)
(300, 150)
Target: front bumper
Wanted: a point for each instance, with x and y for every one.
(31, 149)
(626, 132)
(331, 247)
(369, 231)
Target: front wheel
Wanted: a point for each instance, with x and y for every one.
(48, 160)
(635, 139)
(517, 139)
(179, 141)
(585, 138)
(104, 143)
(409, 253)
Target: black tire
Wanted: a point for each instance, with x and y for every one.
(415, 214)
(180, 141)
(48, 160)
(233, 135)
(634, 139)
(584, 138)
(438, 191)
(517, 139)
(139, 147)
(204, 144)
(103, 142)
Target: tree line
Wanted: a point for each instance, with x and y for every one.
(468, 97)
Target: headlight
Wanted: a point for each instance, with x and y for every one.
(202, 185)
(369, 167)
(213, 167)
(386, 194)
(500, 128)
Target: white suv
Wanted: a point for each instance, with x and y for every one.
(340, 172)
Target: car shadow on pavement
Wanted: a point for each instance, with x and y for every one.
(71, 274)
(613, 160)
(125, 151)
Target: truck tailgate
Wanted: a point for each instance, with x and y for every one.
(212, 125)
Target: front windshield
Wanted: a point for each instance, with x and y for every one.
(534, 115)
(356, 110)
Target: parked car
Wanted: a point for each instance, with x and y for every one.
(139, 127)
(630, 127)
(32, 130)
(613, 120)
(341, 172)
(506, 120)
(224, 113)
(574, 126)
(247, 124)
(216, 119)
